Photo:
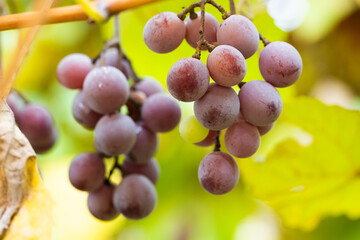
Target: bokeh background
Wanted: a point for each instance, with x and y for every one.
(303, 183)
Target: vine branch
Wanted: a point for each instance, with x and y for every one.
(232, 7)
(264, 40)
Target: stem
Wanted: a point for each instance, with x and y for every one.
(241, 84)
(232, 7)
(64, 14)
(264, 40)
(201, 31)
(187, 10)
(217, 141)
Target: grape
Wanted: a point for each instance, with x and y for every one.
(83, 113)
(261, 103)
(188, 79)
(226, 65)
(115, 134)
(280, 64)
(72, 70)
(265, 129)
(218, 108)
(145, 146)
(37, 125)
(135, 197)
(16, 104)
(149, 86)
(218, 173)
(208, 141)
(106, 89)
(161, 113)
(164, 32)
(242, 139)
(150, 169)
(87, 172)
(192, 35)
(191, 130)
(100, 203)
(239, 32)
(111, 58)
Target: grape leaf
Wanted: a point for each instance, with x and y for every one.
(25, 205)
(312, 172)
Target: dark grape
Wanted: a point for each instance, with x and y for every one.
(161, 113)
(149, 86)
(87, 172)
(72, 70)
(100, 203)
(135, 197)
(218, 173)
(149, 169)
(111, 58)
(16, 104)
(242, 139)
(265, 129)
(218, 108)
(83, 113)
(239, 32)
(226, 65)
(208, 141)
(261, 103)
(164, 32)
(188, 79)
(106, 89)
(280, 64)
(145, 146)
(192, 35)
(115, 134)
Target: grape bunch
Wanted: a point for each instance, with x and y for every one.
(34, 121)
(126, 119)
(245, 115)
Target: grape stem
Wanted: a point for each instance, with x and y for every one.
(217, 142)
(264, 40)
(232, 7)
(241, 84)
(187, 10)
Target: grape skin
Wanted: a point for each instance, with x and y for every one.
(100, 203)
(161, 113)
(82, 113)
(218, 108)
(226, 65)
(115, 134)
(218, 173)
(149, 169)
(16, 104)
(149, 86)
(164, 32)
(135, 197)
(261, 103)
(265, 129)
(191, 130)
(239, 32)
(192, 35)
(106, 89)
(242, 139)
(188, 79)
(87, 172)
(280, 64)
(111, 58)
(208, 141)
(72, 70)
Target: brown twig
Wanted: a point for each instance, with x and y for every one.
(217, 142)
(264, 40)
(187, 10)
(232, 7)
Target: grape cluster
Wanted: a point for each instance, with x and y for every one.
(126, 119)
(246, 115)
(34, 121)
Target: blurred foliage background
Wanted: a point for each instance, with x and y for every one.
(302, 184)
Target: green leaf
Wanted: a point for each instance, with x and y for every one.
(313, 171)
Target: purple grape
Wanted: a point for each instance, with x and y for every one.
(164, 32)
(192, 35)
(188, 79)
(161, 113)
(242, 139)
(226, 65)
(218, 108)
(145, 146)
(208, 141)
(280, 64)
(87, 172)
(149, 169)
(149, 86)
(16, 104)
(37, 125)
(111, 58)
(135, 197)
(106, 89)
(115, 134)
(261, 103)
(218, 173)
(72, 70)
(100, 203)
(83, 113)
(265, 129)
(239, 32)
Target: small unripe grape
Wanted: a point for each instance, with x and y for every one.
(164, 32)
(191, 130)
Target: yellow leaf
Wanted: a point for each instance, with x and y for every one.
(313, 171)
(25, 204)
